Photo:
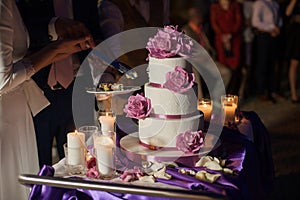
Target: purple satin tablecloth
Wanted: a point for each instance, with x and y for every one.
(251, 161)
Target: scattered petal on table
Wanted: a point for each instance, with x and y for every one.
(205, 176)
(227, 171)
(213, 165)
(203, 160)
(148, 179)
(162, 174)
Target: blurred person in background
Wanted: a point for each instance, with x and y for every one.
(267, 21)
(226, 21)
(293, 48)
(195, 29)
(117, 16)
(247, 44)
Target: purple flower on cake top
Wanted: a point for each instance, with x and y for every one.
(190, 141)
(179, 80)
(169, 42)
(138, 107)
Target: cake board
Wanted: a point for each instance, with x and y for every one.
(137, 152)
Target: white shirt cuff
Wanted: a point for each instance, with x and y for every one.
(51, 29)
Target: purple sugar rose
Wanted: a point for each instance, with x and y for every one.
(179, 81)
(189, 141)
(169, 42)
(138, 107)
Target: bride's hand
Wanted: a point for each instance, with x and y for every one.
(57, 51)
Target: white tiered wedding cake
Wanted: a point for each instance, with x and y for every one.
(169, 105)
(172, 113)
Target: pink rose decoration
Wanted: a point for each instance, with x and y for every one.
(169, 43)
(93, 173)
(138, 107)
(132, 174)
(189, 141)
(179, 81)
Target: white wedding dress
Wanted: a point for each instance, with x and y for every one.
(18, 149)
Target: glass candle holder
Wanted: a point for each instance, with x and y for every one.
(104, 102)
(107, 121)
(104, 148)
(88, 131)
(230, 107)
(205, 105)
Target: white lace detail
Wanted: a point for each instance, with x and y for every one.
(30, 71)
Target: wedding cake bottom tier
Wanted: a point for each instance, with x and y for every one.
(132, 148)
(162, 132)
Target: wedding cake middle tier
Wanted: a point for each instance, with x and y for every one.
(172, 112)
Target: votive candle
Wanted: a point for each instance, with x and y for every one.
(205, 105)
(107, 122)
(230, 106)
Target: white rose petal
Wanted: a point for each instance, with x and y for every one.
(203, 160)
(162, 174)
(213, 165)
(212, 177)
(205, 176)
(227, 171)
(148, 179)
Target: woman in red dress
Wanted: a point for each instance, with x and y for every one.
(226, 21)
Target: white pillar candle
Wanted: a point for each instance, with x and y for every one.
(104, 146)
(107, 123)
(206, 107)
(75, 141)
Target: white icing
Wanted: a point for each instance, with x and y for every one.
(162, 133)
(166, 102)
(158, 68)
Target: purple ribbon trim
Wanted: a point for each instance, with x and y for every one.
(161, 116)
(152, 147)
(157, 85)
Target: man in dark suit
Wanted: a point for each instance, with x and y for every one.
(40, 17)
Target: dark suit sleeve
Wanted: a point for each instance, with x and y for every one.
(36, 15)
(87, 13)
